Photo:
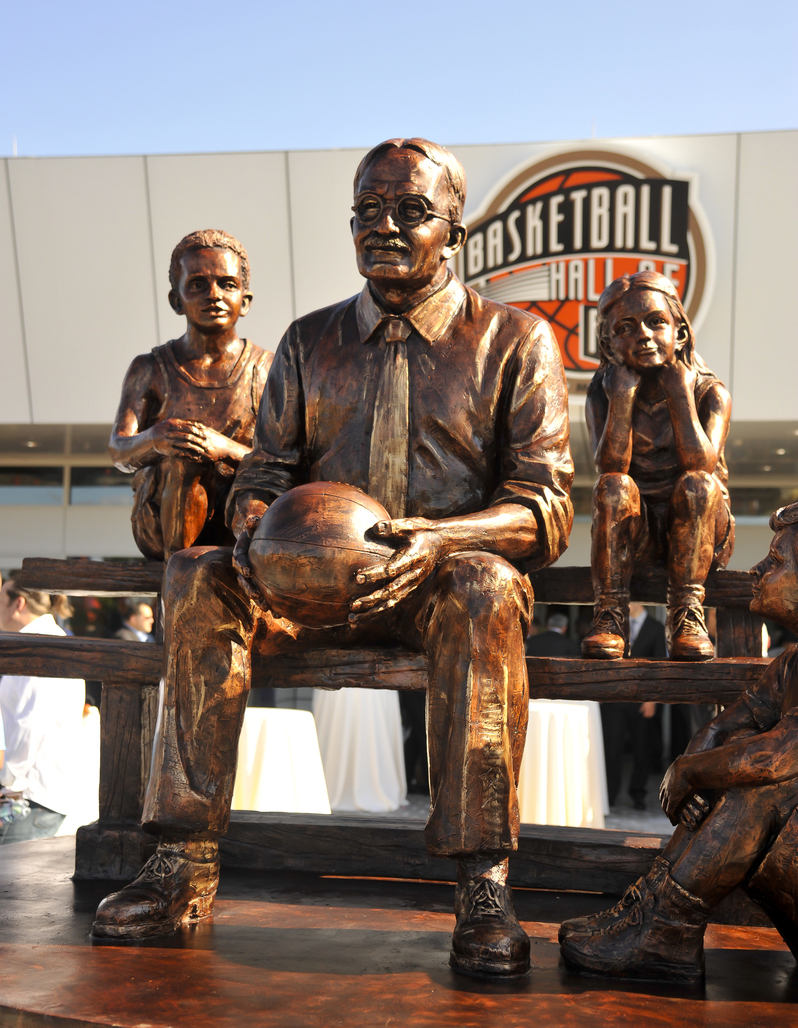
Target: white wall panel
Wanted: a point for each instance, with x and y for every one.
(99, 532)
(325, 270)
(30, 532)
(14, 406)
(243, 194)
(765, 338)
(85, 270)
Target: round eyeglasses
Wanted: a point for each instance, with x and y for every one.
(411, 209)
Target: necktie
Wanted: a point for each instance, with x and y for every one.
(390, 433)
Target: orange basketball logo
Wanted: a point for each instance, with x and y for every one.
(565, 227)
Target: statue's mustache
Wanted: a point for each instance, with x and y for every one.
(375, 241)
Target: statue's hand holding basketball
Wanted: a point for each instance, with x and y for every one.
(421, 550)
(246, 577)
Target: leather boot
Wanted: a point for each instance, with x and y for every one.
(660, 937)
(176, 886)
(685, 628)
(633, 896)
(608, 639)
(488, 941)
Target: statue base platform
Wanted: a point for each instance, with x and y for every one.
(297, 949)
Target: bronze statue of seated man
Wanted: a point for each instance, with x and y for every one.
(734, 799)
(188, 408)
(658, 420)
(451, 410)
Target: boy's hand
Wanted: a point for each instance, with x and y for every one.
(192, 440)
(621, 381)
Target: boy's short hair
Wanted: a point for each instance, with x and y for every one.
(641, 281)
(205, 240)
(784, 517)
(455, 175)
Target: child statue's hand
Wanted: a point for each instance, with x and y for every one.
(620, 380)
(677, 377)
(192, 440)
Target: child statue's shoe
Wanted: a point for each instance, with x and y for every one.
(607, 639)
(660, 937)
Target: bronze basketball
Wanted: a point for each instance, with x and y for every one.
(308, 548)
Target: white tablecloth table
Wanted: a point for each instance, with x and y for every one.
(563, 779)
(361, 743)
(279, 764)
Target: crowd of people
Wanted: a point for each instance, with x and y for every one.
(42, 719)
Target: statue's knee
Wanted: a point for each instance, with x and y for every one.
(478, 577)
(615, 491)
(197, 568)
(694, 490)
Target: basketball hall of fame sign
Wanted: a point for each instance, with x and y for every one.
(551, 238)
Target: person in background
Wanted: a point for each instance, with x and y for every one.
(634, 721)
(42, 718)
(554, 642)
(137, 626)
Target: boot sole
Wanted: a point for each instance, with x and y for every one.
(654, 972)
(198, 910)
(597, 654)
(475, 968)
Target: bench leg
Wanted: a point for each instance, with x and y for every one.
(115, 846)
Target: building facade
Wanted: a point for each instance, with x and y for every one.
(84, 259)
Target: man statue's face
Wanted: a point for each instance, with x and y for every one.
(391, 252)
(776, 580)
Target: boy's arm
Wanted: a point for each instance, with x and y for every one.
(699, 433)
(609, 418)
(711, 762)
(135, 443)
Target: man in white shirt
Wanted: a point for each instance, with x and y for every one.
(42, 718)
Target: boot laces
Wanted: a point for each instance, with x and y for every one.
(689, 621)
(159, 867)
(610, 619)
(485, 898)
(630, 898)
(632, 917)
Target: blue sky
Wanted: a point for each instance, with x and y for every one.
(166, 76)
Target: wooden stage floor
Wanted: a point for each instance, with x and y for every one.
(299, 950)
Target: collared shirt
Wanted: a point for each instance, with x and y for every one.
(43, 718)
(488, 410)
(143, 637)
(635, 624)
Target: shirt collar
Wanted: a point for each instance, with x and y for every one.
(431, 318)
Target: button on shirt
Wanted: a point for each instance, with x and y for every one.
(42, 718)
(488, 410)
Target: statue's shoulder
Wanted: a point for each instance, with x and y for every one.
(325, 319)
(514, 318)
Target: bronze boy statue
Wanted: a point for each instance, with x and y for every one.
(734, 799)
(188, 409)
(658, 420)
(452, 411)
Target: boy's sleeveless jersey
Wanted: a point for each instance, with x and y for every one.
(231, 406)
(655, 464)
